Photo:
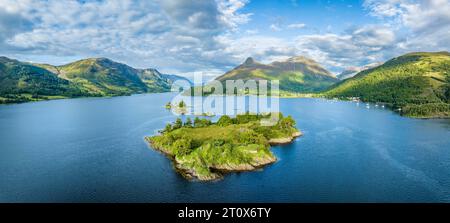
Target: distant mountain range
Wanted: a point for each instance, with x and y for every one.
(21, 81)
(418, 84)
(352, 71)
(295, 75)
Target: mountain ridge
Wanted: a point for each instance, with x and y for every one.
(417, 84)
(82, 78)
(296, 74)
(352, 71)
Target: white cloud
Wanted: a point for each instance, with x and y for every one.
(383, 8)
(355, 47)
(408, 26)
(176, 34)
(275, 27)
(297, 26)
(425, 22)
(375, 36)
(206, 35)
(252, 31)
(262, 48)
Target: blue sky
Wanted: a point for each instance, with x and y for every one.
(213, 36)
(319, 15)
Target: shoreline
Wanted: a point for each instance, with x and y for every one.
(285, 140)
(218, 172)
(82, 97)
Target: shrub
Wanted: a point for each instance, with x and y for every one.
(201, 122)
(225, 121)
(168, 128)
(178, 124)
(188, 122)
(182, 146)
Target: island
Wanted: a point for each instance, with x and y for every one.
(206, 150)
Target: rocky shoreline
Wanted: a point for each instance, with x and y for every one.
(285, 140)
(217, 171)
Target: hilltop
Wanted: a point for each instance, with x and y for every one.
(415, 83)
(296, 74)
(22, 81)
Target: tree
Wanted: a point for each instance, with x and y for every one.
(286, 123)
(168, 128)
(197, 122)
(205, 122)
(188, 122)
(183, 146)
(225, 120)
(178, 124)
(182, 104)
(201, 122)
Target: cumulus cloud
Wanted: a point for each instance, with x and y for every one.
(12, 23)
(408, 25)
(357, 46)
(262, 48)
(179, 34)
(426, 23)
(205, 35)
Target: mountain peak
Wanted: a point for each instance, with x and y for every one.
(295, 76)
(101, 59)
(249, 60)
(301, 59)
(4, 59)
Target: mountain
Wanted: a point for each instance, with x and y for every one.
(22, 82)
(352, 71)
(296, 74)
(102, 76)
(153, 77)
(154, 80)
(172, 78)
(416, 83)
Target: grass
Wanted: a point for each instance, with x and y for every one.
(233, 144)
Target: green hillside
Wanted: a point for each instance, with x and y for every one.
(295, 75)
(104, 77)
(21, 82)
(416, 83)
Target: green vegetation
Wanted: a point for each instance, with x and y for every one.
(295, 75)
(108, 78)
(205, 150)
(155, 81)
(179, 108)
(418, 84)
(22, 82)
(424, 110)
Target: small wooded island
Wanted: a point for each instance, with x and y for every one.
(205, 150)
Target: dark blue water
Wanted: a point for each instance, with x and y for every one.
(92, 150)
